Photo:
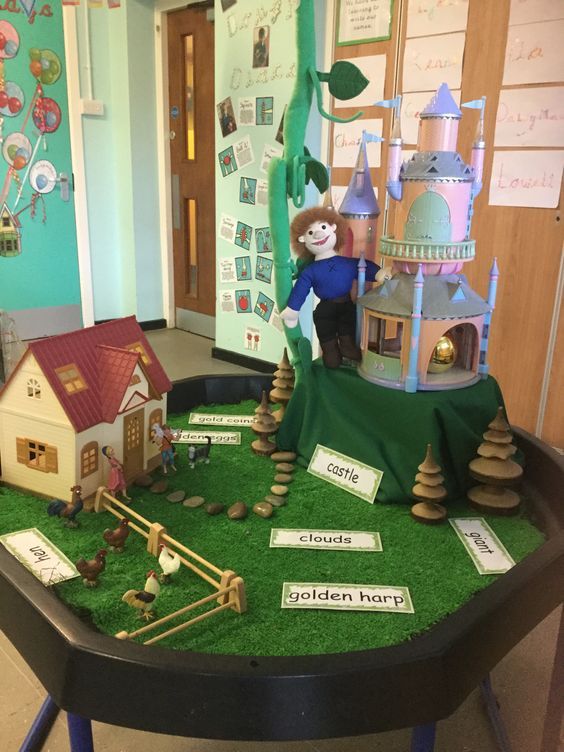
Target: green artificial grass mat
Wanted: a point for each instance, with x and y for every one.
(429, 560)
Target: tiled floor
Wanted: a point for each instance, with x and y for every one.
(521, 679)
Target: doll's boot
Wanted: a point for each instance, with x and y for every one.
(331, 353)
(349, 349)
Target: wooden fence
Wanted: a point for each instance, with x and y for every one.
(230, 589)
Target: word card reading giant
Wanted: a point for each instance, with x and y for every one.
(345, 472)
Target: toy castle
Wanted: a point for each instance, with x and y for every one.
(426, 328)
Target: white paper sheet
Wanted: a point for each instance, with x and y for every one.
(227, 228)
(529, 11)
(360, 20)
(526, 178)
(227, 270)
(534, 53)
(374, 68)
(411, 106)
(347, 138)
(532, 116)
(436, 17)
(430, 61)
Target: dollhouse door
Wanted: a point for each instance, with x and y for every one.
(191, 133)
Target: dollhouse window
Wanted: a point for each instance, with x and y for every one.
(155, 417)
(37, 455)
(89, 459)
(138, 348)
(5, 221)
(34, 389)
(71, 378)
(135, 379)
(384, 336)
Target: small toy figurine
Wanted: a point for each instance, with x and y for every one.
(199, 454)
(168, 562)
(68, 510)
(144, 599)
(163, 437)
(116, 538)
(316, 234)
(116, 479)
(92, 568)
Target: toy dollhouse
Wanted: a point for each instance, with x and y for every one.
(72, 394)
(426, 328)
(10, 233)
(360, 209)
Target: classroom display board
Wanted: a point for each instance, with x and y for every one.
(38, 249)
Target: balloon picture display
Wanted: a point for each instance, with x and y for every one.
(12, 99)
(17, 150)
(43, 176)
(9, 41)
(46, 115)
(45, 65)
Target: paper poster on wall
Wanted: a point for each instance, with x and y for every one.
(373, 67)
(227, 270)
(430, 61)
(228, 228)
(265, 110)
(347, 138)
(263, 240)
(276, 321)
(268, 153)
(261, 46)
(252, 339)
(264, 307)
(243, 268)
(280, 132)
(531, 116)
(263, 271)
(426, 17)
(244, 152)
(526, 178)
(243, 235)
(227, 301)
(411, 106)
(227, 161)
(247, 191)
(262, 192)
(226, 116)
(529, 11)
(362, 21)
(246, 111)
(243, 301)
(534, 53)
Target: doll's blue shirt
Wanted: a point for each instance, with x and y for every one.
(329, 278)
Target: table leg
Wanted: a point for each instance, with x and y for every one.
(80, 733)
(423, 738)
(40, 727)
(492, 709)
(555, 703)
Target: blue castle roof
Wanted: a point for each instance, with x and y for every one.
(442, 104)
(359, 198)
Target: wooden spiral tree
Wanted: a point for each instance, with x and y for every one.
(429, 491)
(264, 425)
(283, 386)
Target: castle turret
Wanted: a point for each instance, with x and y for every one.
(360, 209)
(438, 124)
(394, 184)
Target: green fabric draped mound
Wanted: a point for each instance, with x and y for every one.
(389, 429)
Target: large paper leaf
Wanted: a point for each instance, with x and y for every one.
(346, 80)
(316, 172)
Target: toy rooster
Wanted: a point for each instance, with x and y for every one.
(144, 599)
(67, 510)
(116, 538)
(92, 568)
(168, 562)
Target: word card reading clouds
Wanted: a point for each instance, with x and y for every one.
(39, 556)
(345, 472)
(332, 540)
(486, 550)
(340, 597)
(211, 419)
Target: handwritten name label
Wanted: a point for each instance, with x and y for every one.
(486, 550)
(210, 419)
(335, 540)
(340, 597)
(532, 116)
(345, 472)
(39, 556)
(201, 437)
(526, 178)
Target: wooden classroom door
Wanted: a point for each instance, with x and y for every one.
(133, 444)
(192, 133)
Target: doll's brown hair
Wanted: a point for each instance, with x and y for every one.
(304, 219)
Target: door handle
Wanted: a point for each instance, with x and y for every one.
(172, 135)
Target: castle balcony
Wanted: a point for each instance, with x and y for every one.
(422, 252)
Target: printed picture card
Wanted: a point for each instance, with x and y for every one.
(484, 547)
(227, 271)
(248, 191)
(341, 597)
(38, 555)
(246, 110)
(269, 153)
(264, 307)
(244, 152)
(330, 540)
(345, 472)
(243, 300)
(243, 268)
(252, 339)
(263, 240)
(430, 61)
(262, 192)
(265, 111)
(263, 271)
(227, 301)
(227, 161)
(215, 419)
(276, 321)
(228, 228)
(226, 117)
(243, 235)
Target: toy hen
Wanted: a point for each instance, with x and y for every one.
(143, 600)
(92, 568)
(168, 562)
(67, 510)
(116, 538)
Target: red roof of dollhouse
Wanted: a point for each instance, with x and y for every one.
(105, 363)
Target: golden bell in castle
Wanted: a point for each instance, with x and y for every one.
(444, 355)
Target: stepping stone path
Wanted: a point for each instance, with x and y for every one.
(237, 511)
(194, 501)
(285, 467)
(283, 478)
(263, 509)
(279, 490)
(215, 508)
(143, 481)
(176, 496)
(276, 501)
(283, 456)
(159, 487)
